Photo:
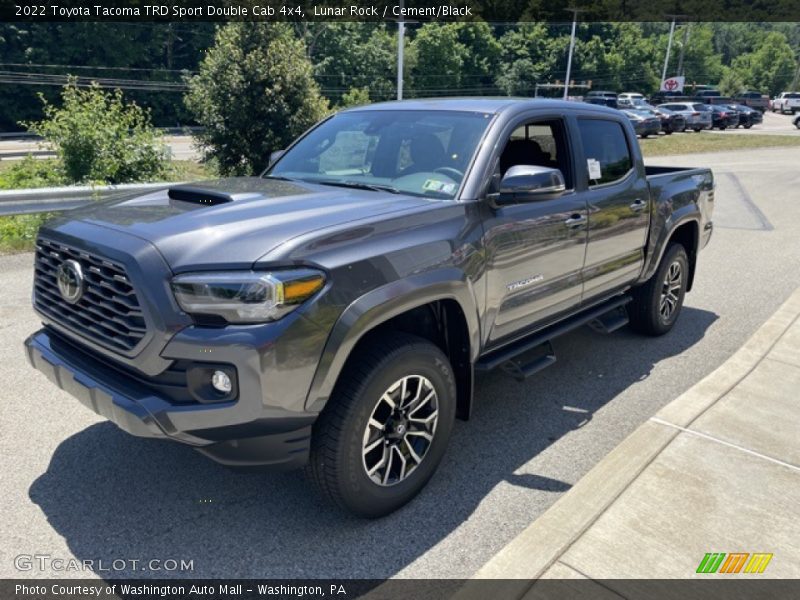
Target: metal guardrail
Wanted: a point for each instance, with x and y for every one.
(20, 202)
(188, 129)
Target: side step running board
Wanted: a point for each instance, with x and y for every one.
(520, 370)
(607, 317)
(611, 321)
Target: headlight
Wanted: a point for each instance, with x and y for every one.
(246, 297)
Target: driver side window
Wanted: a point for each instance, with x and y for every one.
(538, 143)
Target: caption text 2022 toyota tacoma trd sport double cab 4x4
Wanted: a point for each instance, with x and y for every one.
(332, 313)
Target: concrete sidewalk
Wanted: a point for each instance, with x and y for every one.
(717, 470)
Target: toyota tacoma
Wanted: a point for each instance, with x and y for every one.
(333, 312)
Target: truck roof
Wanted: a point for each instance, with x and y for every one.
(492, 105)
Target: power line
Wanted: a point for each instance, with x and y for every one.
(97, 68)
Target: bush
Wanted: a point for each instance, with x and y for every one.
(32, 173)
(98, 137)
(18, 233)
(355, 97)
(254, 94)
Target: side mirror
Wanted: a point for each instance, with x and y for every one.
(528, 183)
(274, 156)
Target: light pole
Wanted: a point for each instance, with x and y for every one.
(669, 46)
(683, 48)
(401, 34)
(574, 12)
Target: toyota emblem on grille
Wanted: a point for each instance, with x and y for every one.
(70, 280)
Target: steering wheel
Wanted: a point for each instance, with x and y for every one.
(450, 172)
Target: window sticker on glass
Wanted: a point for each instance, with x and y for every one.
(434, 185)
(594, 168)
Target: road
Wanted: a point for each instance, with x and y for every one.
(76, 486)
(181, 146)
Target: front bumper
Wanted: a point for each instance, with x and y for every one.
(278, 440)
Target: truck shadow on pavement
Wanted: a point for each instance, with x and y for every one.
(113, 496)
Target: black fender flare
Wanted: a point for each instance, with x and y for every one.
(686, 214)
(380, 305)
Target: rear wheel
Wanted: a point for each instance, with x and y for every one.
(386, 426)
(657, 304)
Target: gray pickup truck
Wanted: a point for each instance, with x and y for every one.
(333, 313)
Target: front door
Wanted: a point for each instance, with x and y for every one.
(535, 250)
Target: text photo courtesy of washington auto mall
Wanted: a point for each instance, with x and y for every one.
(434, 299)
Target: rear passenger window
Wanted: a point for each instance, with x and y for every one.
(605, 147)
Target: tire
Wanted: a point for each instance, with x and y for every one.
(748, 126)
(338, 465)
(698, 129)
(644, 311)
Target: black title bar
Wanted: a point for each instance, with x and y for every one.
(393, 10)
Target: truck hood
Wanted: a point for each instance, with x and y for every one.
(263, 214)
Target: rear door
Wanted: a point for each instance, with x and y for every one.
(618, 204)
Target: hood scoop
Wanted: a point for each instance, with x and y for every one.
(205, 196)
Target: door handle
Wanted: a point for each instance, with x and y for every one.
(638, 205)
(575, 220)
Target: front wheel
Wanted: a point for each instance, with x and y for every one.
(657, 304)
(386, 426)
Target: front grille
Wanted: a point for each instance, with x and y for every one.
(107, 313)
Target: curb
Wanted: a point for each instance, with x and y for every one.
(538, 547)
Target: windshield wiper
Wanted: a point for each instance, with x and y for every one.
(358, 185)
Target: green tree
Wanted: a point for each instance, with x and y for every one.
(351, 55)
(732, 83)
(354, 97)
(440, 58)
(771, 67)
(100, 137)
(254, 94)
(528, 55)
(482, 56)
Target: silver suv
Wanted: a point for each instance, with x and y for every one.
(697, 114)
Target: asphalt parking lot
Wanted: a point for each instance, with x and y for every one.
(76, 486)
(774, 124)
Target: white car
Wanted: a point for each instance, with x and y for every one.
(786, 102)
(628, 99)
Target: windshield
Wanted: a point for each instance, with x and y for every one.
(423, 153)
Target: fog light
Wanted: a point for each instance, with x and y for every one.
(221, 382)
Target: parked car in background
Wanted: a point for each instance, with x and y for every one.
(755, 100)
(723, 117)
(644, 122)
(626, 100)
(747, 116)
(786, 102)
(671, 122)
(602, 98)
(708, 94)
(696, 114)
